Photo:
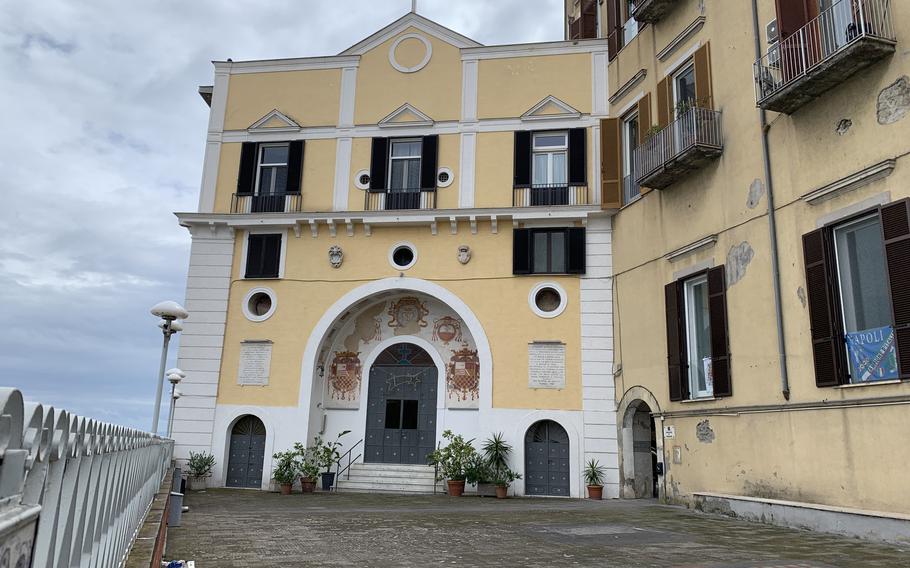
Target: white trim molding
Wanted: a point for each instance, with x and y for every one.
(853, 181)
(534, 49)
(407, 21)
(466, 170)
(290, 125)
(393, 60)
(249, 296)
(566, 110)
(289, 64)
(563, 299)
(449, 173)
(407, 108)
(469, 91)
(398, 245)
(627, 87)
(348, 97)
(342, 173)
(599, 79)
(680, 39)
(274, 230)
(700, 244)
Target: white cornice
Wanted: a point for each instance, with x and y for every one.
(389, 121)
(680, 39)
(534, 49)
(408, 21)
(293, 64)
(700, 244)
(629, 85)
(851, 182)
(567, 111)
(290, 125)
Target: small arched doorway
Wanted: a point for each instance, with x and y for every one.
(644, 451)
(401, 406)
(546, 459)
(247, 453)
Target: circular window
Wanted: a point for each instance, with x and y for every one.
(259, 304)
(362, 179)
(403, 256)
(444, 177)
(547, 300)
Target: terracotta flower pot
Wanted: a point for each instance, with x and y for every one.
(286, 488)
(502, 491)
(307, 485)
(456, 488)
(595, 492)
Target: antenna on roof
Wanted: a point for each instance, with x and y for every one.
(414, 6)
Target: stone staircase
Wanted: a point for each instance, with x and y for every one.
(388, 478)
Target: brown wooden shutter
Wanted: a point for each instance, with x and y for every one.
(828, 349)
(676, 343)
(588, 19)
(896, 235)
(720, 342)
(614, 28)
(610, 163)
(704, 93)
(644, 117)
(664, 102)
(246, 177)
(792, 15)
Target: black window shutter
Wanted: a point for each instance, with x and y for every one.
(271, 256)
(522, 163)
(720, 341)
(378, 163)
(896, 236)
(578, 143)
(828, 349)
(295, 166)
(676, 343)
(521, 251)
(253, 256)
(429, 159)
(246, 177)
(575, 238)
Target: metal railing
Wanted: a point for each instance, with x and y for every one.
(548, 195)
(346, 469)
(695, 127)
(832, 31)
(396, 199)
(73, 491)
(268, 203)
(630, 189)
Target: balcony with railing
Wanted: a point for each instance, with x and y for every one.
(243, 203)
(549, 195)
(844, 39)
(683, 146)
(399, 199)
(650, 11)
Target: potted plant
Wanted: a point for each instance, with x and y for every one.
(496, 453)
(594, 479)
(327, 455)
(477, 472)
(452, 462)
(285, 471)
(199, 468)
(502, 478)
(309, 468)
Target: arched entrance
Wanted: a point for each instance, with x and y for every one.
(644, 450)
(401, 406)
(546, 459)
(247, 453)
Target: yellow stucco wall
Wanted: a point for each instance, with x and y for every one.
(509, 87)
(311, 98)
(498, 299)
(494, 171)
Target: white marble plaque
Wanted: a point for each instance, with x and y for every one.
(255, 359)
(547, 365)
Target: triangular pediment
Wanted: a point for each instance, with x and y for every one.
(274, 121)
(549, 108)
(411, 20)
(406, 115)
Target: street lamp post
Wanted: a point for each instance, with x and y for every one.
(168, 312)
(174, 376)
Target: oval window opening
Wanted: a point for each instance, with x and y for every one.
(547, 300)
(260, 303)
(403, 257)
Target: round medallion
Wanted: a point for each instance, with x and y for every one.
(404, 55)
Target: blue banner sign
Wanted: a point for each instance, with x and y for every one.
(872, 355)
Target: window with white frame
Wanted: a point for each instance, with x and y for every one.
(684, 89)
(698, 336)
(630, 27)
(629, 143)
(550, 158)
(404, 164)
(273, 169)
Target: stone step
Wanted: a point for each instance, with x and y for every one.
(390, 486)
(379, 479)
(393, 469)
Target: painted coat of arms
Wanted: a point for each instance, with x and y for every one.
(463, 379)
(345, 376)
(447, 329)
(408, 312)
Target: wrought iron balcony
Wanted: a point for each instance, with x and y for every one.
(268, 203)
(397, 199)
(650, 11)
(683, 146)
(548, 195)
(844, 39)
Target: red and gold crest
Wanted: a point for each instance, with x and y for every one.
(406, 311)
(345, 376)
(447, 329)
(463, 375)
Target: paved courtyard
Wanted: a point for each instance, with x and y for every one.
(233, 528)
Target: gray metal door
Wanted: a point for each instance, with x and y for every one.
(247, 453)
(401, 408)
(546, 459)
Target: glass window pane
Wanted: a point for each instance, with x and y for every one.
(281, 179)
(559, 168)
(540, 252)
(406, 149)
(393, 414)
(274, 154)
(265, 181)
(541, 166)
(557, 252)
(413, 177)
(861, 271)
(397, 180)
(698, 336)
(685, 87)
(550, 140)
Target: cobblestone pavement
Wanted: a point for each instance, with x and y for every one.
(234, 528)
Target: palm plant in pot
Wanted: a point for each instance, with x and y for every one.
(308, 467)
(285, 472)
(496, 452)
(594, 479)
(327, 455)
(452, 462)
(199, 468)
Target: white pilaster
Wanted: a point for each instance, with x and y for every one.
(213, 138)
(466, 169)
(348, 97)
(202, 339)
(342, 173)
(600, 104)
(469, 91)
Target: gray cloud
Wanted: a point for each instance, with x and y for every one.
(103, 140)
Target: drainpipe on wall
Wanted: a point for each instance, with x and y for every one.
(772, 224)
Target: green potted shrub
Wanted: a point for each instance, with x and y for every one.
(496, 453)
(308, 466)
(286, 470)
(477, 472)
(327, 455)
(452, 461)
(594, 479)
(502, 478)
(199, 468)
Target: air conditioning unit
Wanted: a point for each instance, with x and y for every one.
(773, 37)
(772, 32)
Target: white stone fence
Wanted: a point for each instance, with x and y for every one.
(73, 490)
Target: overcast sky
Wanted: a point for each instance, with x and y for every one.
(103, 135)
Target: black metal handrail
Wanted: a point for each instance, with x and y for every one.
(548, 194)
(243, 203)
(400, 198)
(339, 470)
